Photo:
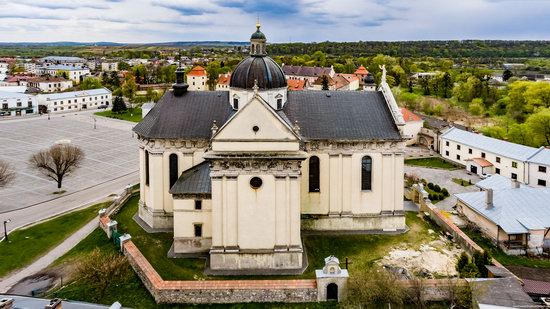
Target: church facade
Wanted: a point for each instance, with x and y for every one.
(240, 174)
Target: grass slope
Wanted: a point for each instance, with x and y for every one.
(26, 245)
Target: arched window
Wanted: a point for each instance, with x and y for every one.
(314, 183)
(257, 49)
(146, 167)
(173, 163)
(366, 173)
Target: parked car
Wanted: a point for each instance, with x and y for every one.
(485, 176)
(102, 106)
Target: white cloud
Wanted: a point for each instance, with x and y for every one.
(135, 21)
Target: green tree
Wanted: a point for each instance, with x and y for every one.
(213, 72)
(539, 124)
(506, 75)
(324, 82)
(90, 83)
(119, 105)
(129, 87)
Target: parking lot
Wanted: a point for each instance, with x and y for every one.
(110, 152)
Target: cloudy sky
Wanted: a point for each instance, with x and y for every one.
(142, 21)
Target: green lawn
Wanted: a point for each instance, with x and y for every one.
(134, 117)
(362, 250)
(462, 182)
(433, 162)
(28, 244)
(502, 257)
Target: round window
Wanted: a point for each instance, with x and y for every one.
(255, 182)
(255, 129)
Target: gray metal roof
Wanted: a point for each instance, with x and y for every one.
(321, 115)
(496, 182)
(195, 180)
(189, 116)
(75, 94)
(501, 292)
(341, 115)
(489, 144)
(541, 156)
(514, 210)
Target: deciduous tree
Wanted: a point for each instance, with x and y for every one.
(58, 161)
(7, 175)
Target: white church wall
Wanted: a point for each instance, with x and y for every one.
(186, 217)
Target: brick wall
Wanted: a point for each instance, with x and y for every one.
(218, 291)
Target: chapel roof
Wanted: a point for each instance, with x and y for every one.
(195, 180)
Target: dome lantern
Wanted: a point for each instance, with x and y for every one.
(258, 42)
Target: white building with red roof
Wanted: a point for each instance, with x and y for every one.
(223, 82)
(413, 124)
(197, 79)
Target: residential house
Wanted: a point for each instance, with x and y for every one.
(297, 84)
(50, 84)
(223, 82)
(109, 66)
(309, 73)
(516, 218)
(413, 125)
(539, 168)
(73, 73)
(61, 60)
(197, 79)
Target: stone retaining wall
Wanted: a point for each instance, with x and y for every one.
(419, 196)
(218, 291)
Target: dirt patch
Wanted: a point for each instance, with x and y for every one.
(436, 259)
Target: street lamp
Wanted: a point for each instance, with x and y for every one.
(5, 229)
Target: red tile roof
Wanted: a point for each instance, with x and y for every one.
(409, 116)
(482, 162)
(349, 77)
(224, 79)
(361, 70)
(295, 84)
(197, 71)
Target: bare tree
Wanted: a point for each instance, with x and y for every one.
(6, 174)
(58, 161)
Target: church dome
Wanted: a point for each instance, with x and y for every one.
(264, 70)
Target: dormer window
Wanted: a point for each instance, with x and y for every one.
(235, 103)
(279, 103)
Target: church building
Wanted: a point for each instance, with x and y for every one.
(240, 174)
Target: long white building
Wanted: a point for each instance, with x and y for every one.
(17, 104)
(76, 74)
(75, 100)
(485, 155)
(61, 60)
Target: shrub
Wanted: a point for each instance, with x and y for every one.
(431, 185)
(470, 181)
(462, 261)
(431, 197)
(99, 270)
(445, 192)
(437, 188)
(480, 260)
(378, 288)
(441, 196)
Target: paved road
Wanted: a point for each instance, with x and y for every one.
(43, 262)
(31, 214)
(444, 179)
